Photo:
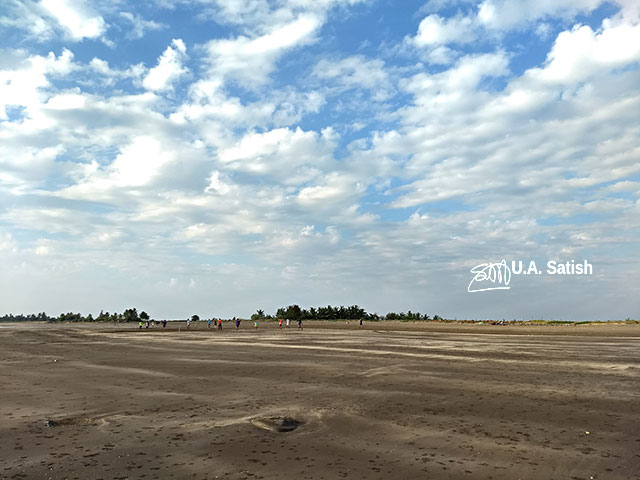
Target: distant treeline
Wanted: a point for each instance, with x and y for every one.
(40, 317)
(292, 312)
(353, 312)
(129, 315)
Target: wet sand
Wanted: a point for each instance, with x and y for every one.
(403, 401)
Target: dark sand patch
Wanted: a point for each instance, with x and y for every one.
(277, 424)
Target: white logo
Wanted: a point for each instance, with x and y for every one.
(498, 275)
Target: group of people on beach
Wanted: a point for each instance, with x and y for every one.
(151, 323)
(215, 322)
(281, 323)
(218, 323)
(236, 321)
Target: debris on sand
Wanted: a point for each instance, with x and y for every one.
(276, 424)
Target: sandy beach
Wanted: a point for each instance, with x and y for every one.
(390, 400)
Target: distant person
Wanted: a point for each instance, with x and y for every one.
(288, 321)
(164, 324)
(237, 322)
(147, 325)
(140, 324)
(219, 324)
(209, 323)
(280, 324)
(360, 322)
(188, 324)
(300, 324)
(255, 324)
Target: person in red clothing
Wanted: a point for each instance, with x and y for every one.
(280, 323)
(219, 324)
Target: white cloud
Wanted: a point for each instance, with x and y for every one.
(249, 61)
(262, 17)
(78, 20)
(563, 119)
(43, 247)
(508, 14)
(7, 243)
(138, 164)
(218, 185)
(456, 85)
(169, 68)
(335, 188)
(24, 82)
(49, 219)
(140, 26)
(624, 186)
(295, 156)
(493, 18)
(543, 30)
(581, 52)
(29, 16)
(111, 75)
(216, 114)
(435, 30)
(356, 72)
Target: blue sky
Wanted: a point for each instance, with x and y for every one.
(216, 157)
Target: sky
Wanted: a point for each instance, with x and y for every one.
(215, 157)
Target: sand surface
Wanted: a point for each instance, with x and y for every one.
(382, 402)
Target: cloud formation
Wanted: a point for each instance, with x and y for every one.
(295, 151)
(169, 68)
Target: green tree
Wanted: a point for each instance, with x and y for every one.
(293, 313)
(195, 318)
(130, 315)
(144, 316)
